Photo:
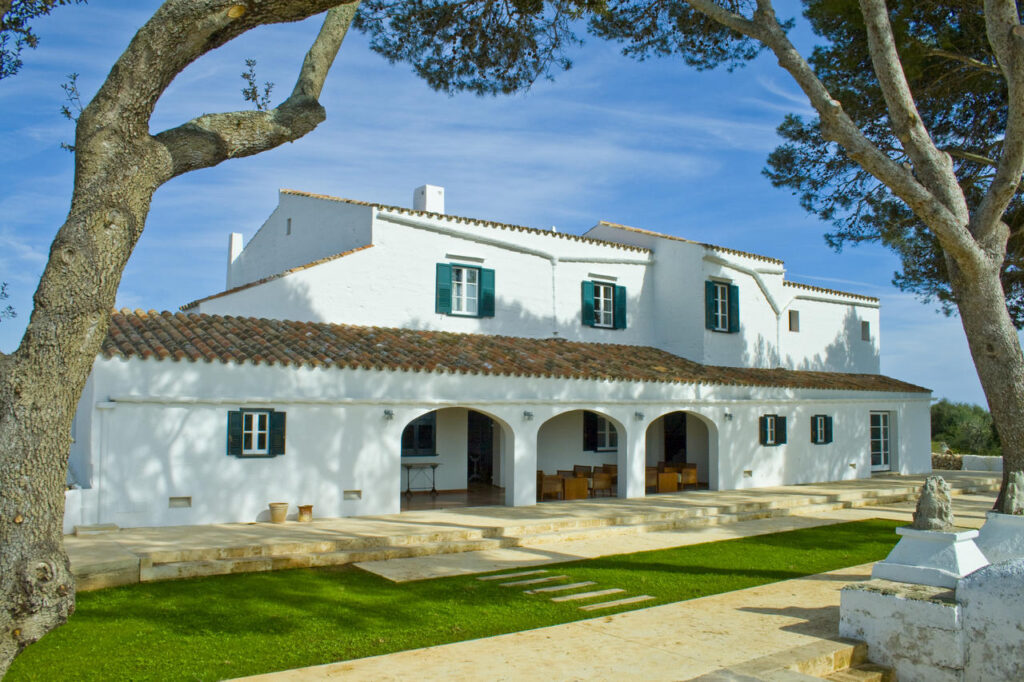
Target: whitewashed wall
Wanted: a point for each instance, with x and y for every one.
(560, 445)
(158, 430)
(829, 338)
(319, 228)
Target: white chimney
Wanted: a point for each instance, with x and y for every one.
(234, 251)
(428, 198)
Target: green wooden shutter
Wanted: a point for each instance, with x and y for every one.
(235, 433)
(588, 303)
(277, 423)
(620, 308)
(734, 308)
(443, 289)
(828, 429)
(590, 431)
(709, 305)
(780, 430)
(814, 430)
(762, 425)
(486, 307)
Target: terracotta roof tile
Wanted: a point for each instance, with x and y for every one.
(460, 219)
(280, 342)
(834, 292)
(297, 268)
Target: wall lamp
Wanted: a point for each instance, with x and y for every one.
(728, 416)
(527, 416)
(639, 416)
(389, 414)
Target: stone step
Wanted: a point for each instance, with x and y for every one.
(616, 602)
(588, 595)
(866, 672)
(814, 661)
(560, 588)
(534, 581)
(97, 529)
(505, 576)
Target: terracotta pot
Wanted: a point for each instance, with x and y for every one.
(278, 512)
(305, 512)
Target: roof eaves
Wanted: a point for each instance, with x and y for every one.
(714, 247)
(834, 292)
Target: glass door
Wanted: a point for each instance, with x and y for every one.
(880, 442)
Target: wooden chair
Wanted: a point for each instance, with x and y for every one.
(651, 478)
(602, 482)
(551, 485)
(566, 473)
(689, 476)
(583, 471)
(668, 482)
(575, 488)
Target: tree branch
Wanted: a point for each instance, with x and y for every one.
(932, 166)
(212, 138)
(1002, 25)
(971, 156)
(837, 126)
(964, 59)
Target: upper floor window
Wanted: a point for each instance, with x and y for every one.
(772, 429)
(256, 433)
(821, 429)
(464, 290)
(599, 434)
(794, 320)
(604, 305)
(722, 307)
(865, 331)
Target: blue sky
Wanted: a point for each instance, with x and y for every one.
(654, 145)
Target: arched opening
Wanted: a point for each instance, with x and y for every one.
(579, 444)
(452, 457)
(684, 443)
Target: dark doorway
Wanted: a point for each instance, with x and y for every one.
(675, 437)
(480, 449)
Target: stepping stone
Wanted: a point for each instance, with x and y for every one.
(617, 602)
(534, 581)
(511, 575)
(559, 588)
(588, 595)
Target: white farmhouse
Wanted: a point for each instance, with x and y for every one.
(356, 343)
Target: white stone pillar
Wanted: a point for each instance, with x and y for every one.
(632, 459)
(521, 479)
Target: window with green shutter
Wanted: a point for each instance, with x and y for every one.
(256, 433)
(603, 305)
(772, 430)
(464, 290)
(599, 434)
(821, 429)
(721, 307)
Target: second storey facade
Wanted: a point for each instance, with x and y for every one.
(325, 259)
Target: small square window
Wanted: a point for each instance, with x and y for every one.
(794, 320)
(865, 331)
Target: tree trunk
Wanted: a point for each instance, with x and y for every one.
(41, 382)
(996, 351)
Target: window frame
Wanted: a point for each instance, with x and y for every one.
(251, 418)
(463, 310)
(416, 425)
(604, 305)
(794, 321)
(884, 440)
(721, 315)
(821, 429)
(607, 435)
(770, 433)
(865, 330)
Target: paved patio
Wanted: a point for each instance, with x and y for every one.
(421, 544)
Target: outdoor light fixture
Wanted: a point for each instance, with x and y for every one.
(527, 415)
(389, 414)
(639, 416)
(728, 416)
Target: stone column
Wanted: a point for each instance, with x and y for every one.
(632, 458)
(521, 479)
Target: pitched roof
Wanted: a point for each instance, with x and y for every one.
(834, 292)
(178, 336)
(713, 247)
(193, 304)
(469, 221)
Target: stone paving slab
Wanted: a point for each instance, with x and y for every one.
(90, 555)
(617, 602)
(588, 595)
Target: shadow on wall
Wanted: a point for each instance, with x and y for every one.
(764, 353)
(846, 353)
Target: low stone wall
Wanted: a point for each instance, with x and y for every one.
(982, 463)
(947, 462)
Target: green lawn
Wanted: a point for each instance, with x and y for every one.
(212, 628)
